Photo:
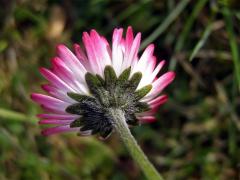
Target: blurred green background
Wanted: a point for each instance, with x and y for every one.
(197, 132)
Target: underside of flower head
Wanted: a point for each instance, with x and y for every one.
(108, 92)
(84, 85)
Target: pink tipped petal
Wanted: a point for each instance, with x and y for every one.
(100, 49)
(147, 72)
(160, 84)
(53, 110)
(66, 75)
(91, 54)
(156, 71)
(48, 88)
(117, 54)
(104, 41)
(57, 122)
(146, 56)
(151, 65)
(145, 65)
(128, 44)
(58, 129)
(79, 52)
(129, 39)
(57, 93)
(164, 80)
(61, 70)
(48, 101)
(55, 80)
(131, 58)
(50, 104)
(156, 103)
(159, 100)
(82, 57)
(147, 119)
(58, 116)
(72, 62)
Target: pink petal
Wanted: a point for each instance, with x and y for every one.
(92, 57)
(58, 116)
(127, 46)
(61, 70)
(49, 102)
(129, 39)
(58, 129)
(146, 56)
(163, 81)
(159, 100)
(145, 65)
(57, 93)
(82, 57)
(156, 103)
(151, 64)
(147, 119)
(54, 121)
(131, 58)
(117, 54)
(55, 80)
(53, 110)
(100, 49)
(72, 62)
(160, 84)
(66, 75)
(156, 71)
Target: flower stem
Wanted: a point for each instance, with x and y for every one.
(131, 144)
(16, 116)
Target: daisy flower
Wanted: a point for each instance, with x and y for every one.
(85, 84)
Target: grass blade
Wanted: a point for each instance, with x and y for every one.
(202, 40)
(187, 27)
(233, 43)
(162, 27)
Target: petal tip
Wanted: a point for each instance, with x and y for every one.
(172, 75)
(162, 62)
(43, 86)
(45, 132)
(164, 98)
(129, 28)
(76, 46)
(33, 96)
(60, 48)
(43, 70)
(40, 122)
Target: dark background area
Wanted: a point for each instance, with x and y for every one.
(197, 132)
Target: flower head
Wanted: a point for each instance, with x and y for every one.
(85, 84)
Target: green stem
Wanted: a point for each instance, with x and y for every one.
(131, 144)
(16, 116)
